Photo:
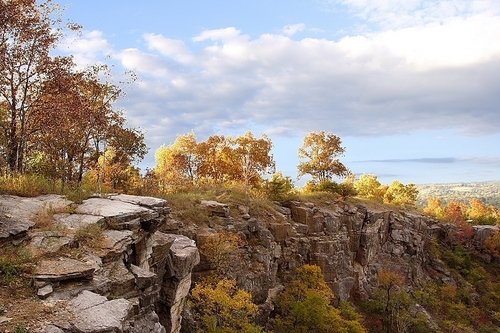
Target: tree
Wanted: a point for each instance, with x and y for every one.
(402, 195)
(482, 214)
(435, 208)
(219, 163)
(305, 306)
(179, 163)
(279, 186)
(27, 35)
(220, 250)
(74, 119)
(255, 157)
(223, 308)
(369, 187)
(319, 157)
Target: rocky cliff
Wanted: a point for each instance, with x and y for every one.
(126, 277)
(137, 278)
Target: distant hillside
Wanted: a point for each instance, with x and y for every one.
(488, 191)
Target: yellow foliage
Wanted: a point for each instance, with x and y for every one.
(223, 307)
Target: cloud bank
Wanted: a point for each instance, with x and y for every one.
(439, 71)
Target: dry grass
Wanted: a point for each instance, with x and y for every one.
(25, 311)
(90, 236)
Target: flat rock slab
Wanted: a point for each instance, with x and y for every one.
(108, 208)
(77, 221)
(94, 313)
(48, 242)
(16, 213)
(119, 211)
(62, 269)
(149, 202)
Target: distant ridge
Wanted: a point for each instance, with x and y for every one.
(488, 191)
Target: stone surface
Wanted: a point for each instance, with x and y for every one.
(49, 242)
(77, 221)
(93, 313)
(16, 213)
(116, 210)
(45, 291)
(61, 269)
(215, 208)
(184, 255)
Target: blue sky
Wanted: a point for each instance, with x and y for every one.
(411, 86)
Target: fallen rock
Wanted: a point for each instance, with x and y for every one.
(45, 291)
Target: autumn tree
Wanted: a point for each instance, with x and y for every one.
(481, 213)
(400, 194)
(435, 208)
(178, 164)
(319, 157)
(278, 187)
(220, 249)
(27, 35)
(306, 306)
(223, 308)
(255, 157)
(218, 160)
(368, 186)
(75, 122)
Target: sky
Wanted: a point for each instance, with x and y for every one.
(411, 86)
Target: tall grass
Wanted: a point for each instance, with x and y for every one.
(32, 185)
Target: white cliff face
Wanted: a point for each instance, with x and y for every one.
(135, 279)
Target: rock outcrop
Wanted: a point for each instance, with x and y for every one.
(351, 243)
(137, 276)
(129, 278)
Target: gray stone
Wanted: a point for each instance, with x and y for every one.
(52, 329)
(48, 242)
(94, 313)
(77, 221)
(215, 208)
(115, 211)
(45, 291)
(115, 243)
(184, 255)
(149, 202)
(62, 269)
(143, 277)
(17, 213)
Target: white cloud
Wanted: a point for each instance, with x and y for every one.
(87, 47)
(173, 48)
(224, 34)
(382, 83)
(143, 63)
(398, 13)
(292, 29)
(430, 74)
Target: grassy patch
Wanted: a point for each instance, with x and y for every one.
(91, 236)
(14, 263)
(28, 185)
